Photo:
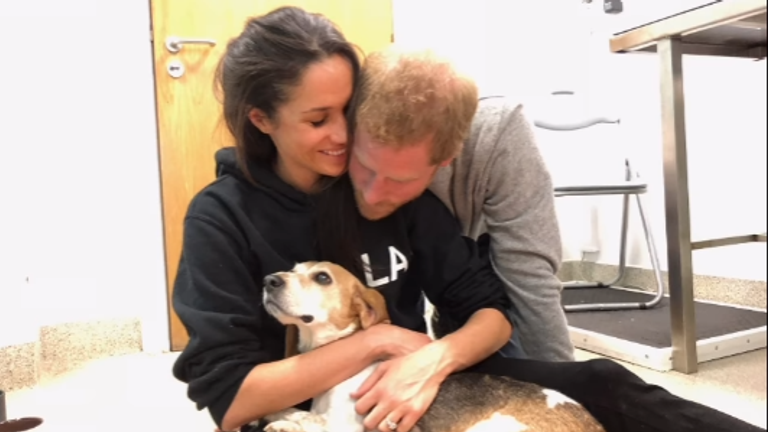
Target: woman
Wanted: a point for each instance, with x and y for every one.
(283, 198)
(286, 82)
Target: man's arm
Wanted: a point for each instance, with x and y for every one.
(457, 277)
(484, 334)
(526, 248)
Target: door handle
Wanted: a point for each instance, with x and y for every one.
(174, 44)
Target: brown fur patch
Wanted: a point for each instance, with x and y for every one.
(466, 399)
(291, 341)
(369, 306)
(357, 304)
(350, 302)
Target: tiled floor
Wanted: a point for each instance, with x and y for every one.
(137, 393)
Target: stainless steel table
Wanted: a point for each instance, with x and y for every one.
(734, 28)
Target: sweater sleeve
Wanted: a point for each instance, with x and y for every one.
(454, 271)
(216, 298)
(526, 248)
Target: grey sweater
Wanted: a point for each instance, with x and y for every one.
(499, 184)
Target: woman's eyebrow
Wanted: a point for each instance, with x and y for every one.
(316, 109)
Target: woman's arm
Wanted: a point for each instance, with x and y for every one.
(275, 386)
(233, 363)
(302, 377)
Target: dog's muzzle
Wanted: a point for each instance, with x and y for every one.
(272, 286)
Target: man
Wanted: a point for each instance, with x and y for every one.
(410, 116)
(495, 183)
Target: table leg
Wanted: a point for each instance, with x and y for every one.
(3, 412)
(678, 221)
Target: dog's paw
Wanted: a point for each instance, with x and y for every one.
(283, 426)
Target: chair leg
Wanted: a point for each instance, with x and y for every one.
(622, 255)
(653, 254)
(622, 268)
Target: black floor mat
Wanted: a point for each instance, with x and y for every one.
(651, 327)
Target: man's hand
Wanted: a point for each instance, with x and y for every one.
(400, 391)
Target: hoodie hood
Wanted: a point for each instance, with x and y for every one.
(266, 179)
(226, 163)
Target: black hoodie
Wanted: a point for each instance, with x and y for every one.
(235, 233)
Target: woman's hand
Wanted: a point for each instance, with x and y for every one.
(390, 341)
(400, 391)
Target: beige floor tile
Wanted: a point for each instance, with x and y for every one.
(130, 393)
(138, 393)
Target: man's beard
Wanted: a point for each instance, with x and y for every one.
(373, 213)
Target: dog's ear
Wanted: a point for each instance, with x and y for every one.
(370, 306)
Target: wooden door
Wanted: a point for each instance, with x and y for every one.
(190, 127)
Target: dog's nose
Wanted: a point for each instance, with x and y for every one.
(273, 282)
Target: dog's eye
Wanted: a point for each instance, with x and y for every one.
(322, 278)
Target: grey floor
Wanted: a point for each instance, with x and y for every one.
(137, 392)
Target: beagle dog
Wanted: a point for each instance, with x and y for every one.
(324, 302)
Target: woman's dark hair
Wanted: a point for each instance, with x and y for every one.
(258, 70)
(262, 65)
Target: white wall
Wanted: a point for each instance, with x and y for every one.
(528, 48)
(79, 185)
(79, 178)
(726, 133)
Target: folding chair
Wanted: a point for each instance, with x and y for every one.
(631, 186)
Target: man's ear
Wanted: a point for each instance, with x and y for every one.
(446, 162)
(262, 122)
(370, 307)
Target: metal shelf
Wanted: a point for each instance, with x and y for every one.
(734, 28)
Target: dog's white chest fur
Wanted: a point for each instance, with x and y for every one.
(332, 411)
(337, 407)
